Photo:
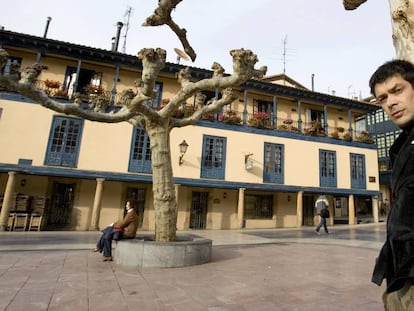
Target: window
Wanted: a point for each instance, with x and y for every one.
(156, 102)
(258, 207)
(264, 107)
(64, 142)
(140, 158)
(11, 61)
(74, 83)
(327, 168)
(382, 148)
(213, 157)
(360, 125)
(273, 163)
(314, 115)
(358, 179)
(384, 165)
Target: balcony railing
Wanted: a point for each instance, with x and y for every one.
(102, 99)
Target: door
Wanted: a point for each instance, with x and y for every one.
(198, 212)
(138, 194)
(308, 211)
(60, 212)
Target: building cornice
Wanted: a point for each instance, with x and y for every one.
(54, 47)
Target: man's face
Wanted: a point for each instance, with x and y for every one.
(396, 97)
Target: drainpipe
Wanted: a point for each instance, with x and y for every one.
(118, 34)
(39, 53)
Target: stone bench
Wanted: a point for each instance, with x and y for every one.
(143, 252)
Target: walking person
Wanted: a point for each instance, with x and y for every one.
(123, 229)
(392, 84)
(321, 205)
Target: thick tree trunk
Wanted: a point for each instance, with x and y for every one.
(402, 22)
(163, 186)
(402, 19)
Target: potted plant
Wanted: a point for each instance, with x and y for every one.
(61, 94)
(335, 134)
(259, 120)
(230, 117)
(315, 129)
(52, 84)
(365, 137)
(347, 136)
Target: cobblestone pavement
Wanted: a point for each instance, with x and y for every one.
(279, 269)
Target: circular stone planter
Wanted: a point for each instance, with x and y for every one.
(144, 252)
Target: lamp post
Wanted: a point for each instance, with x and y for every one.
(183, 149)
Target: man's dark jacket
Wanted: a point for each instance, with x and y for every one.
(396, 259)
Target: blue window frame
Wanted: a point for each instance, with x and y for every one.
(358, 175)
(213, 158)
(140, 157)
(156, 102)
(64, 141)
(273, 163)
(327, 168)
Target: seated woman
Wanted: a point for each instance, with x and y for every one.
(123, 229)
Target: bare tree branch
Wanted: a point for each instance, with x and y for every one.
(352, 4)
(215, 106)
(162, 16)
(41, 98)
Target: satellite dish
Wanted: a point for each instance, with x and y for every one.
(181, 54)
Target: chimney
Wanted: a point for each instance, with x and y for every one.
(116, 39)
(47, 26)
(313, 82)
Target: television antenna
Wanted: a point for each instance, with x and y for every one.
(127, 17)
(284, 54)
(181, 54)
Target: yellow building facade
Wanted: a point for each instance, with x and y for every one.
(260, 163)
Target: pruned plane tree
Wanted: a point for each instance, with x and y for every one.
(157, 123)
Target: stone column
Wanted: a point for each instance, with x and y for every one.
(375, 209)
(177, 198)
(351, 210)
(240, 208)
(299, 209)
(96, 211)
(7, 201)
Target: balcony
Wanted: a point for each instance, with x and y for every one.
(99, 99)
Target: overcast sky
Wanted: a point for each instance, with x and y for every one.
(301, 37)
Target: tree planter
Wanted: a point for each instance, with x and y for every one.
(144, 252)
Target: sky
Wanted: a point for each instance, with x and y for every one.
(300, 38)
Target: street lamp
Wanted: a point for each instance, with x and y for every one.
(183, 149)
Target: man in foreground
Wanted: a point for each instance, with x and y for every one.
(393, 86)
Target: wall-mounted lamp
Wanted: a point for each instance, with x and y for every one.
(224, 195)
(248, 161)
(183, 149)
(23, 182)
(289, 198)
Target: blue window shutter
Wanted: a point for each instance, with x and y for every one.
(140, 156)
(273, 163)
(358, 174)
(64, 141)
(327, 168)
(213, 158)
